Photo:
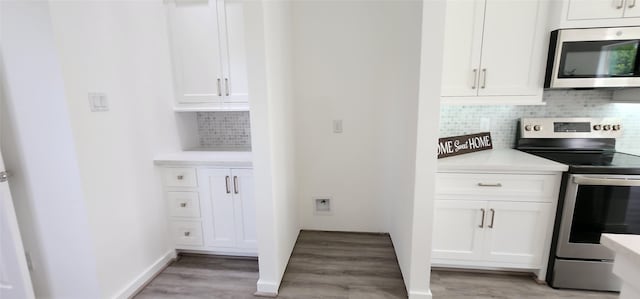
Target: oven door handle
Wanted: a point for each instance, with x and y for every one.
(581, 180)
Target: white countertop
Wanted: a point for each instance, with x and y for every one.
(209, 158)
(499, 160)
(622, 244)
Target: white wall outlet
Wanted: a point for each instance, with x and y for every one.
(337, 126)
(485, 124)
(322, 205)
(98, 102)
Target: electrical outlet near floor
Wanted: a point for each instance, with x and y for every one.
(322, 205)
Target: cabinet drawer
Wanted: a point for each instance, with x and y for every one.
(187, 232)
(184, 204)
(515, 186)
(180, 177)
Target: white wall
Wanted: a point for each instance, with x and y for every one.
(38, 148)
(119, 48)
(268, 26)
(356, 61)
(413, 219)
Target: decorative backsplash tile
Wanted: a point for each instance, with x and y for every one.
(460, 120)
(224, 130)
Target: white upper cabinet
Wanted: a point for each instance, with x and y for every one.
(511, 58)
(236, 89)
(208, 55)
(595, 9)
(595, 13)
(495, 52)
(462, 41)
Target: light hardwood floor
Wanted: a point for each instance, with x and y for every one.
(337, 265)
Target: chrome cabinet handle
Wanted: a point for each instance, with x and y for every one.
(493, 217)
(235, 185)
(489, 185)
(482, 221)
(183, 204)
(620, 4)
(180, 177)
(226, 86)
(227, 181)
(475, 78)
(219, 88)
(632, 4)
(186, 234)
(484, 78)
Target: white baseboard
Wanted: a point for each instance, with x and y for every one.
(420, 294)
(147, 275)
(267, 288)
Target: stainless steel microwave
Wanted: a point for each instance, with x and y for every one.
(594, 58)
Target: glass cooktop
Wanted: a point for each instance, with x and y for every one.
(604, 162)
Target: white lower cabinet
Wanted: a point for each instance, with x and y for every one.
(493, 227)
(215, 213)
(457, 233)
(515, 232)
(230, 197)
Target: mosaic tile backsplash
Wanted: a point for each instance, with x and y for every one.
(460, 120)
(224, 130)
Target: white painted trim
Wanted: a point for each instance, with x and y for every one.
(267, 288)
(147, 275)
(420, 295)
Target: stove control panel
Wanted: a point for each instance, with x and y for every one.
(607, 127)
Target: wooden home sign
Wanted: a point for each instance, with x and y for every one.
(465, 144)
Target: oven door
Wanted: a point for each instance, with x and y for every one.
(597, 57)
(593, 205)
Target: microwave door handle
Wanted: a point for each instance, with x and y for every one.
(606, 182)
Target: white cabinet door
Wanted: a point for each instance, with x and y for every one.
(195, 47)
(512, 55)
(244, 208)
(515, 232)
(462, 47)
(236, 89)
(595, 9)
(631, 9)
(458, 229)
(220, 227)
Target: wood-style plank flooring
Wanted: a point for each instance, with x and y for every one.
(337, 265)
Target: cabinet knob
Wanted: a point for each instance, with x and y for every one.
(186, 234)
(183, 204)
(180, 177)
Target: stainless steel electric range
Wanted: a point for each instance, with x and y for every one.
(600, 193)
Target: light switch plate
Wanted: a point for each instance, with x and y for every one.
(98, 102)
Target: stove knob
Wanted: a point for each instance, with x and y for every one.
(606, 127)
(597, 127)
(537, 128)
(527, 128)
(616, 127)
